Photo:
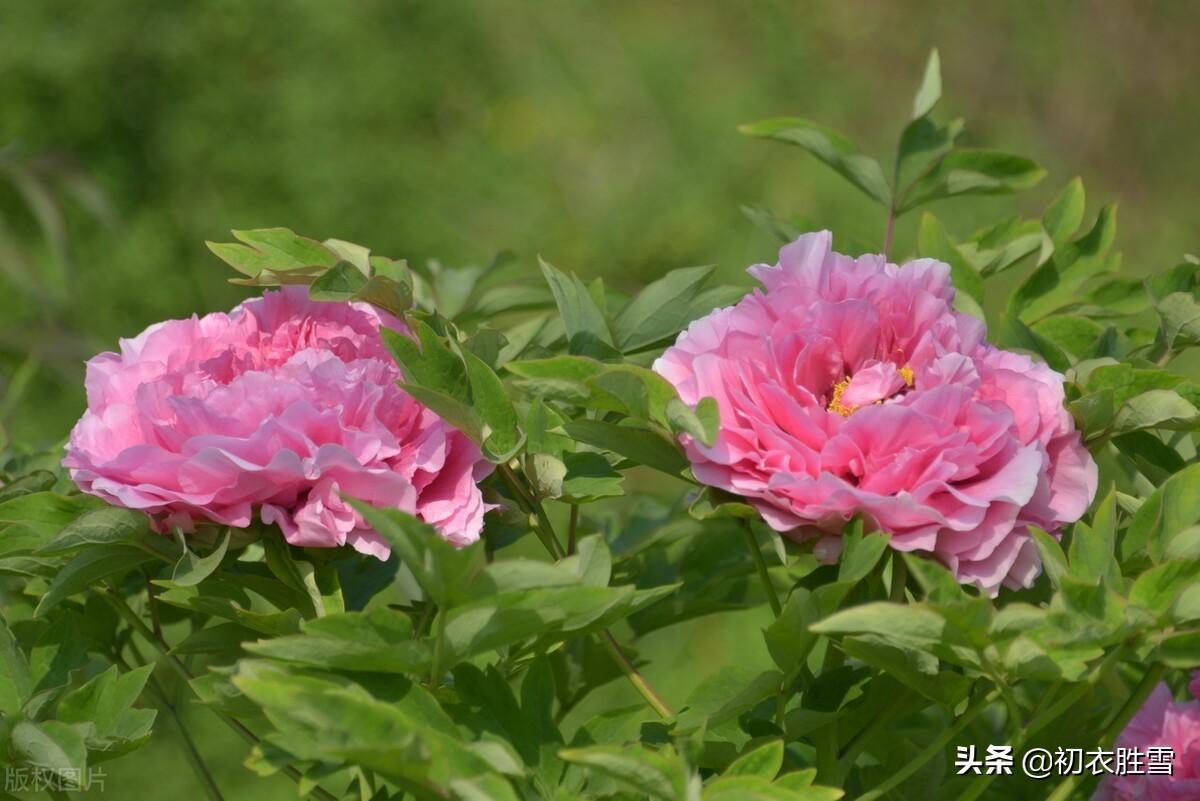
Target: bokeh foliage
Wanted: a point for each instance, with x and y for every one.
(600, 135)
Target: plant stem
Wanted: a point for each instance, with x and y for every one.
(761, 565)
(899, 578)
(194, 758)
(891, 226)
(550, 541)
(1115, 726)
(544, 529)
(153, 607)
(123, 609)
(635, 677)
(573, 529)
(931, 750)
(439, 641)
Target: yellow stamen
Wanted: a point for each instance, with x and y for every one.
(906, 372)
(835, 401)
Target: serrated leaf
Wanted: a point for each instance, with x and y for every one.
(341, 282)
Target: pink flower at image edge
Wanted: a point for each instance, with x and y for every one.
(851, 386)
(277, 408)
(1161, 723)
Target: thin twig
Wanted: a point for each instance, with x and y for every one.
(573, 529)
(550, 541)
(635, 677)
(761, 565)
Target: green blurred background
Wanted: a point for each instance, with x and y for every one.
(600, 135)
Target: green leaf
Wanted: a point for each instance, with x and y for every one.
(432, 365)
(1064, 215)
(930, 90)
(107, 702)
(922, 141)
(90, 567)
(407, 737)
(37, 481)
(451, 409)
(660, 310)
(376, 641)
(1171, 509)
(1054, 561)
(1012, 332)
(191, 569)
(910, 666)
(1180, 316)
(910, 624)
(726, 694)
(765, 760)
(589, 477)
(53, 747)
(16, 683)
(389, 294)
(972, 172)
(939, 584)
(701, 423)
(586, 326)
(440, 568)
(270, 252)
(1057, 281)
(357, 255)
(490, 401)
(1150, 455)
(1180, 651)
(1069, 332)
(636, 392)
(636, 444)
(934, 242)
(283, 245)
(860, 553)
(1158, 408)
(342, 281)
(830, 147)
(28, 522)
(1091, 552)
(652, 774)
(593, 562)
(110, 525)
(1158, 588)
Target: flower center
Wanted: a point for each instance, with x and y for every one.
(843, 406)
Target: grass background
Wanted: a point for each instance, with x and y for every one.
(598, 134)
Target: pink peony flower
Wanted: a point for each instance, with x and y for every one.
(851, 386)
(1161, 723)
(277, 407)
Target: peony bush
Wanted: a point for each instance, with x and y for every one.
(407, 530)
